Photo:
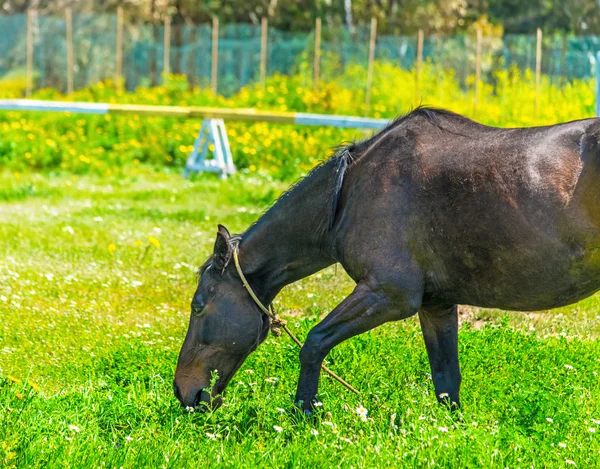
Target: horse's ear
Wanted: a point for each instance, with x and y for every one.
(223, 249)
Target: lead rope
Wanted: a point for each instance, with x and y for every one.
(277, 323)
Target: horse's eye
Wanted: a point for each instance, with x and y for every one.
(197, 307)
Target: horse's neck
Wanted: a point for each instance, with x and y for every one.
(291, 240)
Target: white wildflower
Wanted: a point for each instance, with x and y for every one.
(443, 429)
(569, 367)
(318, 404)
(549, 419)
(3, 298)
(562, 444)
(190, 409)
(591, 430)
(49, 277)
(277, 428)
(597, 422)
(74, 428)
(128, 438)
(444, 395)
(314, 432)
(279, 409)
(572, 463)
(212, 436)
(362, 413)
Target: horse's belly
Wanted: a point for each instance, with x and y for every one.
(535, 283)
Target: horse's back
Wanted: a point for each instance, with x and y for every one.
(494, 217)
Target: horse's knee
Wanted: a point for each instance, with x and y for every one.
(312, 352)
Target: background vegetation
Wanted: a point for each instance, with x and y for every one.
(405, 16)
(103, 144)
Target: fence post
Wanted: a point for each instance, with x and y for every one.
(69, 26)
(119, 65)
(264, 28)
(29, 88)
(597, 84)
(538, 70)
(215, 55)
(420, 40)
(563, 60)
(477, 70)
(317, 63)
(167, 47)
(372, 42)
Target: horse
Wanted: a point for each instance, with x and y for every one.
(434, 211)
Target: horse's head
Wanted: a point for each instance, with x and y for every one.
(225, 326)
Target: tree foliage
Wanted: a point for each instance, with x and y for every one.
(394, 16)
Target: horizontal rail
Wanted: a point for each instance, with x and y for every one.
(298, 118)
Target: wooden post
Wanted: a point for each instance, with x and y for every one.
(264, 28)
(563, 60)
(538, 70)
(420, 40)
(598, 84)
(372, 43)
(215, 55)
(477, 71)
(167, 47)
(29, 86)
(119, 64)
(69, 25)
(317, 63)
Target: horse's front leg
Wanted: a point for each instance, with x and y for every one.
(371, 304)
(440, 331)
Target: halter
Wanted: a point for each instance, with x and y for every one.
(277, 323)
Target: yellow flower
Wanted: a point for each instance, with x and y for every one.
(19, 395)
(13, 379)
(112, 248)
(154, 241)
(138, 243)
(33, 385)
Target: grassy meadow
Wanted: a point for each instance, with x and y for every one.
(96, 278)
(101, 237)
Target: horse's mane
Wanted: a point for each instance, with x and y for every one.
(345, 155)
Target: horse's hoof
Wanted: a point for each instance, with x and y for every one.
(307, 409)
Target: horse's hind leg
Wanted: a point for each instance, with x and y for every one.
(440, 331)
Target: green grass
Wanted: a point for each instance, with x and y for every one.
(97, 325)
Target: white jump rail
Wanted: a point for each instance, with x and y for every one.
(212, 131)
(298, 118)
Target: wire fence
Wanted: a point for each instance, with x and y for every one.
(237, 55)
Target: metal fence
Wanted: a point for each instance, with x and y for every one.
(190, 51)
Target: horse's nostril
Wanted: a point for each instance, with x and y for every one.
(177, 393)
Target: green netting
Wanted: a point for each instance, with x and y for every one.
(94, 48)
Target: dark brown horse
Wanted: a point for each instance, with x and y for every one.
(433, 211)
